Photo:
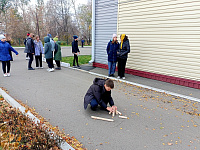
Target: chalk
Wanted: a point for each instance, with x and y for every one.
(100, 118)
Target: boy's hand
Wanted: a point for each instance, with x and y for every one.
(114, 108)
(109, 109)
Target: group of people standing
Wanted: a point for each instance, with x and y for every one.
(52, 51)
(118, 54)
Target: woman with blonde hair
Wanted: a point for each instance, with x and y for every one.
(122, 55)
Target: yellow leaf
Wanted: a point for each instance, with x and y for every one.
(19, 138)
(195, 125)
(11, 137)
(26, 110)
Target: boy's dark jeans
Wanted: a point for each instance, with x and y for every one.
(75, 59)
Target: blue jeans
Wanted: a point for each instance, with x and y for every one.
(94, 104)
(111, 67)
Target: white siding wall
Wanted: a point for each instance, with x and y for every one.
(164, 36)
(106, 25)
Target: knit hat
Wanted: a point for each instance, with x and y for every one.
(2, 37)
(49, 35)
(114, 35)
(75, 37)
(28, 34)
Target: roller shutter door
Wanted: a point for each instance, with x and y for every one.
(106, 25)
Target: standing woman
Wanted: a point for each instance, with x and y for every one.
(48, 53)
(38, 52)
(122, 55)
(112, 48)
(57, 54)
(5, 55)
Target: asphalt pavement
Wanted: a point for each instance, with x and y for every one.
(155, 121)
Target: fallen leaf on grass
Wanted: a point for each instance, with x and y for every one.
(169, 144)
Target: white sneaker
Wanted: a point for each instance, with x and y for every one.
(52, 69)
(37, 67)
(5, 75)
(118, 77)
(123, 78)
(48, 69)
(8, 74)
(41, 67)
(27, 58)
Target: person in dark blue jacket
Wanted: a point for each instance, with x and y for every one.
(30, 49)
(75, 51)
(112, 49)
(5, 55)
(82, 42)
(99, 93)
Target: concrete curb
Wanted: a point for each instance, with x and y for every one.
(141, 85)
(15, 104)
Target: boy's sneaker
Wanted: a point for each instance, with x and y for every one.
(41, 67)
(74, 66)
(37, 67)
(5, 75)
(78, 67)
(118, 77)
(8, 74)
(123, 78)
(27, 58)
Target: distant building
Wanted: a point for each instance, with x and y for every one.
(164, 37)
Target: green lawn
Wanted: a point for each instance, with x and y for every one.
(82, 59)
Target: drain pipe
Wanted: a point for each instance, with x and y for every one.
(93, 31)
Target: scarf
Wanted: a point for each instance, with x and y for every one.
(122, 40)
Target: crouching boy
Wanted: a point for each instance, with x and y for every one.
(99, 93)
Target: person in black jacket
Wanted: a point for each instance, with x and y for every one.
(75, 50)
(30, 49)
(99, 93)
(122, 55)
(25, 45)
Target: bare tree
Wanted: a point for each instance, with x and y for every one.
(85, 18)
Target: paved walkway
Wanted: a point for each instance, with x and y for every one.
(156, 120)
